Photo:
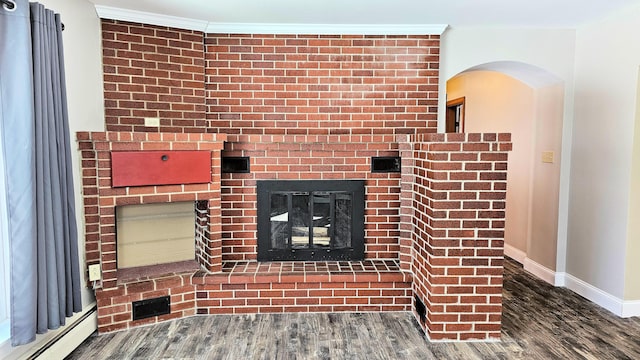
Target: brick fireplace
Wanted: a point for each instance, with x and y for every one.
(299, 108)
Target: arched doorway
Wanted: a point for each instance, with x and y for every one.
(527, 102)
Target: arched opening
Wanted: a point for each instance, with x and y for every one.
(527, 102)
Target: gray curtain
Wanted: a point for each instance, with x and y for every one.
(45, 275)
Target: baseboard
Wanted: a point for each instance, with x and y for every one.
(531, 266)
(56, 344)
(515, 253)
(630, 308)
(594, 294)
(561, 279)
(602, 298)
(540, 271)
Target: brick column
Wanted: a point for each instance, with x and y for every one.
(459, 200)
(90, 197)
(405, 148)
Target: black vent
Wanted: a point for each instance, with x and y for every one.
(151, 307)
(235, 164)
(421, 310)
(385, 164)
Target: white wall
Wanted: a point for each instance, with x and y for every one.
(606, 83)
(632, 280)
(83, 66)
(463, 48)
(548, 49)
(545, 176)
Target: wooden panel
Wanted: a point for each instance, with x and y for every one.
(138, 168)
(155, 233)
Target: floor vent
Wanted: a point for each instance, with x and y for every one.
(151, 307)
(421, 310)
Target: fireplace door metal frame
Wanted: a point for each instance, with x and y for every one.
(311, 188)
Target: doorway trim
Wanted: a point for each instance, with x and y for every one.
(455, 116)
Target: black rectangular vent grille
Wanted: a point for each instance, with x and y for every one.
(385, 164)
(235, 164)
(421, 310)
(151, 307)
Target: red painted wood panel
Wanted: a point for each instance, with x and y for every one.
(138, 168)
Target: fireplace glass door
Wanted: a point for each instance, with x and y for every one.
(310, 220)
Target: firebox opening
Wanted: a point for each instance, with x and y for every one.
(152, 234)
(311, 220)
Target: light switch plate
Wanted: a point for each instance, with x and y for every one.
(152, 122)
(94, 272)
(547, 156)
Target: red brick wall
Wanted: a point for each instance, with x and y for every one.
(375, 286)
(202, 227)
(325, 104)
(296, 85)
(153, 71)
(457, 211)
(320, 287)
(115, 304)
(268, 84)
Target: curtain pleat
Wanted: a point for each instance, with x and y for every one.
(73, 295)
(52, 267)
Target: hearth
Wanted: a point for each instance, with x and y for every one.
(310, 220)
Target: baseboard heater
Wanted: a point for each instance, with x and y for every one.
(151, 307)
(69, 329)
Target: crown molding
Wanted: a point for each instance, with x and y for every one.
(113, 13)
(326, 29)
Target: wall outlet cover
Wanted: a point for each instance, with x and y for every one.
(94, 272)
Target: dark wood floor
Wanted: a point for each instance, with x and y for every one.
(539, 322)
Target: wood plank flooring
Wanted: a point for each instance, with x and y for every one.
(539, 322)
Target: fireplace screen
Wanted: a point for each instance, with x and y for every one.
(311, 220)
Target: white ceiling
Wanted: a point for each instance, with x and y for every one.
(455, 13)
